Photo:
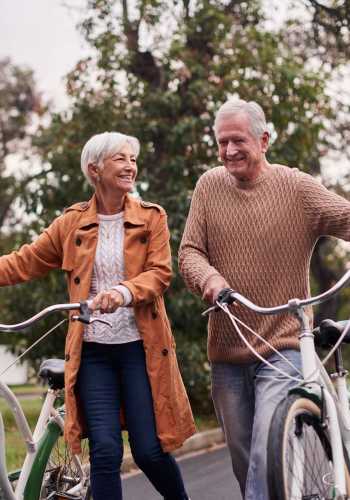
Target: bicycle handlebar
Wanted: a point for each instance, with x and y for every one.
(228, 296)
(84, 316)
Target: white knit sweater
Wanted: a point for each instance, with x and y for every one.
(108, 272)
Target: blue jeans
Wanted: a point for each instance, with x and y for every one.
(111, 376)
(245, 397)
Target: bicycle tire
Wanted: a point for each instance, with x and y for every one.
(62, 473)
(296, 431)
(56, 471)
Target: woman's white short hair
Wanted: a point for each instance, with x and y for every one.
(252, 109)
(100, 146)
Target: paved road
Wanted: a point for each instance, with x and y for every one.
(208, 476)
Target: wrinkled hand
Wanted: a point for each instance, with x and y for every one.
(108, 301)
(212, 288)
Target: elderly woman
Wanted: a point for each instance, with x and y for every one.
(115, 250)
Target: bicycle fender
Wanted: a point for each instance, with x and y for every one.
(312, 392)
(46, 443)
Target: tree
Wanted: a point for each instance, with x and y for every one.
(159, 69)
(20, 109)
(330, 28)
(19, 103)
(324, 39)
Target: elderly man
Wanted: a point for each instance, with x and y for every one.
(252, 226)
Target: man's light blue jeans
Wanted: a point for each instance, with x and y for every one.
(245, 397)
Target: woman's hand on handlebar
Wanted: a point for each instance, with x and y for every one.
(107, 301)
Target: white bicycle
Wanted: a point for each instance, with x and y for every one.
(50, 470)
(309, 437)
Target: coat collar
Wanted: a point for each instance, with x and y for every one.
(132, 212)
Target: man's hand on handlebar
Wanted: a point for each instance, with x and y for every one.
(213, 287)
(225, 296)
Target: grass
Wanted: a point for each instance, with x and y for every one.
(15, 449)
(27, 389)
(205, 423)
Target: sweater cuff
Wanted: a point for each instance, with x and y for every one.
(125, 292)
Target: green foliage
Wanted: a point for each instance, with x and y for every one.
(164, 87)
(19, 103)
(330, 25)
(195, 370)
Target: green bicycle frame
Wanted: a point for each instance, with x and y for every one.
(34, 484)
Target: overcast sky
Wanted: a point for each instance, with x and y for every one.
(42, 35)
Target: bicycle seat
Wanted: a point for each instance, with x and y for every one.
(328, 333)
(52, 371)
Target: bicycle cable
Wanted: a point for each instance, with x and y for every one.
(33, 345)
(233, 319)
(236, 320)
(265, 342)
(334, 348)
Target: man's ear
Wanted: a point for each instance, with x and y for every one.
(265, 140)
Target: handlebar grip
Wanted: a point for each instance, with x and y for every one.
(226, 296)
(85, 313)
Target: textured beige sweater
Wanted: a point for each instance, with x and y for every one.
(259, 236)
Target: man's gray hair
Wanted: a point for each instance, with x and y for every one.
(100, 146)
(252, 109)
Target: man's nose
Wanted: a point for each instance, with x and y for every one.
(231, 149)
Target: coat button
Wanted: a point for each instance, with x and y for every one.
(165, 352)
(67, 357)
(77, 280)
(143, 239)
(78, 242)
(154, 315)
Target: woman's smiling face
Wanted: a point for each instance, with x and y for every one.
(119, 171)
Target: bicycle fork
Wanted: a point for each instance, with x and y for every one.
(311, 375)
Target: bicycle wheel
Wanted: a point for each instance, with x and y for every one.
(299, 453)
(56, 473)
(66, 475)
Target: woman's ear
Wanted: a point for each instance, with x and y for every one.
(94, 172)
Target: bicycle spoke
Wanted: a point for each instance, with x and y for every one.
(62, 474)
(308, 450)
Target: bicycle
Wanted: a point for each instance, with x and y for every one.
(49, 470)
(309, 436)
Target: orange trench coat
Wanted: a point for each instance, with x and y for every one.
(70, 243)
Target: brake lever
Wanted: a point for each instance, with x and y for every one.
(100, 320)
(224, 297)
(210, 309)
(85, 315)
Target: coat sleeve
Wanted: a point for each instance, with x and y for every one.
(327, 213)
(194, 261)
(33, 260)
(156, 276)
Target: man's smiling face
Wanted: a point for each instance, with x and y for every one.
(242, 153)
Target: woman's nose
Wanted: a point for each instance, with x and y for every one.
(130, 162)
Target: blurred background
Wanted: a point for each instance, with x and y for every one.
(159, 70)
